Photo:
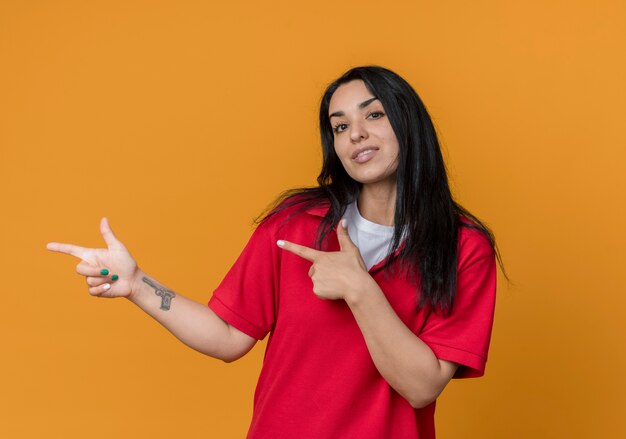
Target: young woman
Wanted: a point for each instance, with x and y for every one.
(376, 287)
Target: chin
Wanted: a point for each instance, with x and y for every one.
(371, 179)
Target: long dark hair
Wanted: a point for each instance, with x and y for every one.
(424, 203)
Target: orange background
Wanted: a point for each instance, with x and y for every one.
(180, 121)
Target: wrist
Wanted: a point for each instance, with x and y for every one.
(361, 290)
(135, 284)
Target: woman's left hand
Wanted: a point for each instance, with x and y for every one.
(335, 275)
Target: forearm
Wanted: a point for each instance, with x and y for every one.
(194, 324)
(405, 361)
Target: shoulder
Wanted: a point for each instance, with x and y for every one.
(473, 243)
(294, 211)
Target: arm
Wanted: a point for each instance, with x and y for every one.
(402, 358)
(405, 361)
(192, 323)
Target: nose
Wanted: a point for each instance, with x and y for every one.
(358, 132)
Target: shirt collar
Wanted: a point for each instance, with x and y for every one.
(320, 210)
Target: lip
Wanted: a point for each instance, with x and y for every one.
(365, 157)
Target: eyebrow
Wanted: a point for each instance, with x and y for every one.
(361, 105)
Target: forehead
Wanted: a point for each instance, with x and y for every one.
(348, 96)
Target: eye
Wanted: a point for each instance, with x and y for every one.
(337, 127)
(378, 113)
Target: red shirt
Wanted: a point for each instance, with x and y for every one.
(318, 379)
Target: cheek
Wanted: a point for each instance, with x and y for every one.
(393, 158)
(392, 147)
(396, 151)
(392, 141)
(341, 151)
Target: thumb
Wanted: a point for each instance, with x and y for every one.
(343, 237)
(107, 233)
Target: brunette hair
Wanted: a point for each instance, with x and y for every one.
(424, 204)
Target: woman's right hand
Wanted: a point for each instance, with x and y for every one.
(115, 258)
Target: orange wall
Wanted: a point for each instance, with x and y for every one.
(181, 121)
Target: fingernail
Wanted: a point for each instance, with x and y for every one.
(106, 287)
(344, 222)
(280, 243)
(104, 271)
(115, 277)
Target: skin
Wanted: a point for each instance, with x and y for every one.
(407, 363)
(361, 127)
(193, 323)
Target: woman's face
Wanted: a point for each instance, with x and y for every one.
(364, 140)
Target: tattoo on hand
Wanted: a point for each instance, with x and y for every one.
(165, 294)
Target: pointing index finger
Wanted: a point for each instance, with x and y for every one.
(304, 252)
(69, 249)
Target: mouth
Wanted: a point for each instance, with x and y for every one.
(364, 152)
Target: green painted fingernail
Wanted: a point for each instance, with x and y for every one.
(115, 277)
(104, 271)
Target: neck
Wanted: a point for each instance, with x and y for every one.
(377, 203)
